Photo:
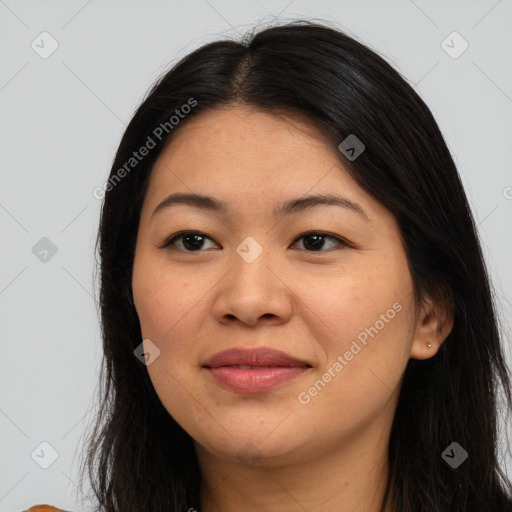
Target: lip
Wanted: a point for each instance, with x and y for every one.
(262, 356)
(223, 368)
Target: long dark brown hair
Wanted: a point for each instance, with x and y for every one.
(137, 457)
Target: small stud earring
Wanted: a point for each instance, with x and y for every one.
(429, 345)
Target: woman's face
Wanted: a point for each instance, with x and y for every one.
(344, 309)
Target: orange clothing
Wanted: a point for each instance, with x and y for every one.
(43, 508)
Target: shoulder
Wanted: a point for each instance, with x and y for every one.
(44, 508)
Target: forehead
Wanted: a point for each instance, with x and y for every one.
(243, 148)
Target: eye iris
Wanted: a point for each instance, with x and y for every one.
(317, 244)
(186, 240)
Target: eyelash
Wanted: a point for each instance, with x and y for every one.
(168, 244)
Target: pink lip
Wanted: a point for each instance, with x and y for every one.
(262, 356)
(254, 380)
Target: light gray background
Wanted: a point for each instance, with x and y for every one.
(61, 121)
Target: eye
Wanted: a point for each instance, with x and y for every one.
(193, 241)
(315, 241)
(188, 239)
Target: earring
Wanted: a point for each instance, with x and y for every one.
(429, 345)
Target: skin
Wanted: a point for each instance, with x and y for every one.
(329, 453)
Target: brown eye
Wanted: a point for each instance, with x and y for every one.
(315, 241)
(194, 241)
(189, 241)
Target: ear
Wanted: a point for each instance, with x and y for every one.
(434, 324)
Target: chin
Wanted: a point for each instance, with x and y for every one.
(257, 448)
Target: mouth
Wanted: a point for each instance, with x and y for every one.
(255, 357)
(250, 371)
(257, 367)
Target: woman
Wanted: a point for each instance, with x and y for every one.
(295, 310)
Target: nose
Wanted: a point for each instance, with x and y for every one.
(253, 293)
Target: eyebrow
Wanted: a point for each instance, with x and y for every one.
(290, 207)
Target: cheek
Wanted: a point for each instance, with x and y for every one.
(364, 318)
(345, 304)
(167, 303)
(171, 314)
(364, 357)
